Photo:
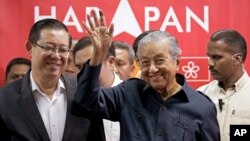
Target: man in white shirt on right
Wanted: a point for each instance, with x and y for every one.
(230, 89)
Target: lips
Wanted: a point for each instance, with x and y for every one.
(155, 77)
(213, 72)
(54, 65)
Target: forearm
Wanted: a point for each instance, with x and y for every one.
(88, 87)
(96, 58)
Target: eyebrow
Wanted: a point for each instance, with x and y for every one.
(55, 44)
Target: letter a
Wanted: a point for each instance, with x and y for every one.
(237, 132)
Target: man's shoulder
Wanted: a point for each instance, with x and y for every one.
(206, 87)
(204, 95)
(133, 85)
(69, 77)
(12, 87)
(69, 80)
(136, 79)
(135, 82)
(197, 97)
(10, 93)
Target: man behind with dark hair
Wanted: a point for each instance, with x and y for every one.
(71, 68)
(16, 69)
(227, 50)
(40, 107)
(82, 52)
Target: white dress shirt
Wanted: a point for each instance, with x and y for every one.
(236, 104)
(53, 111)
(111, 128)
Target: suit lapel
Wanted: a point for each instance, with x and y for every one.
(70, 85)
(29, 106)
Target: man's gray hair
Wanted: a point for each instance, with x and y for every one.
(157, 36)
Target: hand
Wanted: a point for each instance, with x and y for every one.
(101, 37)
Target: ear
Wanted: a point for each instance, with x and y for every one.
(137, 60)
(110, 62)
(29, 47)
(177, 62)
(238, 58)
(132, 68)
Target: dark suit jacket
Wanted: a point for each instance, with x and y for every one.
(20, 119)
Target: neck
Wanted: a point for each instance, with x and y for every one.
(46, 84)
(108, 82)
(230, 82)
(167, 93)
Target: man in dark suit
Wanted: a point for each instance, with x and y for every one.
(40, 107)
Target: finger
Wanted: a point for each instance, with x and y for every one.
(102, 18)
(87, 28)
(95, 18)
(91, 24)
(111, 30)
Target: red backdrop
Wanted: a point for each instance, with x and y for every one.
(191, 21)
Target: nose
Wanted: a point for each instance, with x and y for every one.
(55, 53)
(152, 68)
(210, 62)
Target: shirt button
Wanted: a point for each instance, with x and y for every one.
(164, 107)
(159, 132)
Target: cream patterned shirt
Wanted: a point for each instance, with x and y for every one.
(236, 103)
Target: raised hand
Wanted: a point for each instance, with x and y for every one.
(101, 37)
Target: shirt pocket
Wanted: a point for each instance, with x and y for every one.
(240, 116)
(184, 130)
(139, 124)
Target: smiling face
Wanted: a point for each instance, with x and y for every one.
(157, 66)
(49, 65)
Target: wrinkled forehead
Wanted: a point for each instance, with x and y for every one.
(152, 49)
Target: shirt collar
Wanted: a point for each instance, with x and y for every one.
(117, 80)
(239, 83)
(182, 94)
(242, 81)
(35, 87)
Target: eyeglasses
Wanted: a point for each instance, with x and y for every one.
(51, 49)
(157, 62)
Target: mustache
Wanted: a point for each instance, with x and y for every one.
(213, 70)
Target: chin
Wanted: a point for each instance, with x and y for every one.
(216, 77)
(157, 86)
(54, 73)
